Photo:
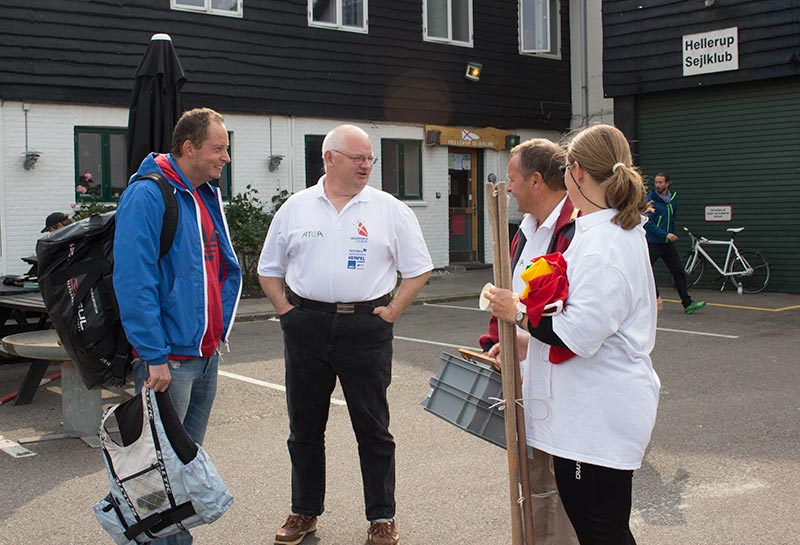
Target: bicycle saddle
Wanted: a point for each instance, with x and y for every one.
(735, 229)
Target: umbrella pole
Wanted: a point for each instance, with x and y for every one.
(498, 220)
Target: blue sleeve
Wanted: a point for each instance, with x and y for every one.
(139, 218)
(653, 230)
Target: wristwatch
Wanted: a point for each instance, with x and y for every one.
(520, 318)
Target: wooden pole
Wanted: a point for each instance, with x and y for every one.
(502, 279)
(522, 444)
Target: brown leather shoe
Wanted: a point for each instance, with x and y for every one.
(383, 533)
(295, 529)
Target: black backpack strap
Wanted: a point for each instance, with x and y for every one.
(160, 520)
(170, 225)
(521, 240)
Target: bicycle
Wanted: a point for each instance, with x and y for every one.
(748, 270)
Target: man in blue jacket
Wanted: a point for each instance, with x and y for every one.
(661, 238)
(177, 309)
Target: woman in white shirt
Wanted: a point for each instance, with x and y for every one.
(595, 412)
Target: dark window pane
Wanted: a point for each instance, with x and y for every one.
(437, 18)
(225, 5)
(324, 11)
(411, 174)
(119, 164)
(314, 166)
(90, 163)
(535, 25)
(461, 20)
(353, 13)
(389, 168)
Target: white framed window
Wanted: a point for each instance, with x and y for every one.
(540, 28)
(448, 21)
(230, 8)
(349, 15)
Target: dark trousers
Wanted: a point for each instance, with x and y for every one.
(356, 348)
(669, 255)
(597, 501)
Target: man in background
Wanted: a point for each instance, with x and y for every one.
(661, 237)
(56, 221)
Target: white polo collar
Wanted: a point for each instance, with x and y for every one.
(318, 190)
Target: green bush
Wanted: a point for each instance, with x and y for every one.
(248, 220)
(87, 208)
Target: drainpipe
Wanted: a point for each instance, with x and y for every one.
(584, 64)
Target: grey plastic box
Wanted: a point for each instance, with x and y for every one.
(460, 394)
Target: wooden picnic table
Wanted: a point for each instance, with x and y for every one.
(23, 310)
(81, 407)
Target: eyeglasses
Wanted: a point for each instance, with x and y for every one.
(359, 159)
(563, 168)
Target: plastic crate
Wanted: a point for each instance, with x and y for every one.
(460, 395)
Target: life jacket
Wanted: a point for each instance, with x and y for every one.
(161, 481)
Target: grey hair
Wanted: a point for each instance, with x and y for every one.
(335, 138)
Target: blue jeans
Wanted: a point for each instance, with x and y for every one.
(192, 389)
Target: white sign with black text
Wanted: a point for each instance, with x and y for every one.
(719, 213)
(715, 51)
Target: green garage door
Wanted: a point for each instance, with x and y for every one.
(737, 146)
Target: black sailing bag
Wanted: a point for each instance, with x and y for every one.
(75, 268)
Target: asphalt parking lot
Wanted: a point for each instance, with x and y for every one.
(722, 467)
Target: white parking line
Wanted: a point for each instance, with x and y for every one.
(265, 384)
(423, 341)
(659, 328)
(698, 333)
(450, 306)
(14, 449)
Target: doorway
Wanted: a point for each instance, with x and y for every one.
(463, 175)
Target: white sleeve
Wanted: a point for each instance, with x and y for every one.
(274, 258)
(411, 252)
(597, 303)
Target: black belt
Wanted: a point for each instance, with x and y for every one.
(338, 308)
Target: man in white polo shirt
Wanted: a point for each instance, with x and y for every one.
(329, 264)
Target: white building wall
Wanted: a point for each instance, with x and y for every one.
(28, 196)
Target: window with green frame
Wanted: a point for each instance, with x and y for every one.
(101, 163)
(224, 182)
(401, 168)
(101, 160)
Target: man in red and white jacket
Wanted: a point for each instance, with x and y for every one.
(547, 226)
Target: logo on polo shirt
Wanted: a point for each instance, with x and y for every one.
(362, 235)
(312, 234)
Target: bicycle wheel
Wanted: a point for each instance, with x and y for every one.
(756, 281)
(694, 271)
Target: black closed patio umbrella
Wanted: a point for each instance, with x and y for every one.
(156, 101)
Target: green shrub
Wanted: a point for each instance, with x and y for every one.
(248, 220)
(87, 208)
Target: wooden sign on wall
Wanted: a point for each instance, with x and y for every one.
(486, 137)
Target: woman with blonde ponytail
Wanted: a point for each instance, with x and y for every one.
(595, 411)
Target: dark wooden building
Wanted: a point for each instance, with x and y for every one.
(387, 65)
(709, 91)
